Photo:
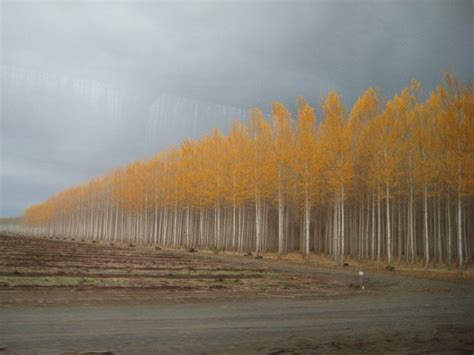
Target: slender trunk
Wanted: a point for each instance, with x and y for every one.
(335, 228)
(389, 237)
(307, 221)
(257, 222)
(378, 225)
(217, 237)
(175, 226)
(373, 226)
(440, 250)
(399, 229)
(201, 225)
(427, 250)
(366, 236)
(342, 224)
(411, 226)
(155, 224)
(187, 225)
(234, 229)
(281, 215)
(448, 215)
(460, 251)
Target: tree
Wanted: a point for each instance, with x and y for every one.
(261, 159)
(304, 151)
(336, 135)
(283, 143)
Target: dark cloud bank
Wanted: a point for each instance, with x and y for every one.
(88, 86)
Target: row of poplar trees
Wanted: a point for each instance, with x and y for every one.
(386, 180)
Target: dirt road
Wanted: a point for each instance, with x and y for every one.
(408, 323)
(59, 297)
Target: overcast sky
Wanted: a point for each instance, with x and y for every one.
(87, 86)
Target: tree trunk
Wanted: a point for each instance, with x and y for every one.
(187, 225)
(257, 223)
(460, 251)
(427, 250)
(281, 215)
(373, 226)
(450, 247)
(307, 221)
(234, 230)
(411, 230)
(389, 237)
(378, 225)
(440, 250)
(342, 224)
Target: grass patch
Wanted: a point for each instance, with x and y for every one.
(42, 281)
(203, 280)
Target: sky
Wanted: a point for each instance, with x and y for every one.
(87, 86)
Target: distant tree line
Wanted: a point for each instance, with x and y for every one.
(389, 179)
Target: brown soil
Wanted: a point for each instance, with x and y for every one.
(418, 270)
(70, 296)
(30, 264)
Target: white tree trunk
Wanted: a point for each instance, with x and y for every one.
(187, 224)
(389, 237)
(378, 225)
(307, 221)
(342, 224)
(427, 250)
(460, 248)
(281, 215)
(257, 222)
(450, 247)
(234, 229)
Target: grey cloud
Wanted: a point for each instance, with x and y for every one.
(87, 86)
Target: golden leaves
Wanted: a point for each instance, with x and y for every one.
(406, 140)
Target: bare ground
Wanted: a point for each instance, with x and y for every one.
(62, 296)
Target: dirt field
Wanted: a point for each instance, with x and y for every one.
(31, 264)
(64, 296)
